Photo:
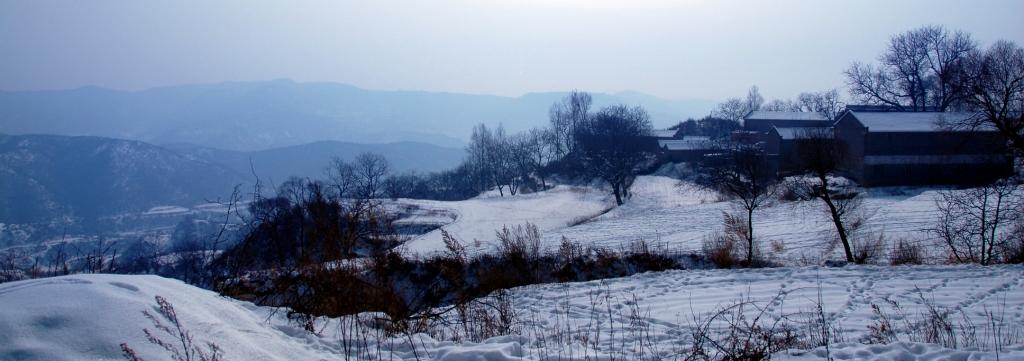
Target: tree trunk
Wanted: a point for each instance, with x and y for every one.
(840, 228)
(750, 237)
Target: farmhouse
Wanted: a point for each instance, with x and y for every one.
(778, 133)
(884, 147)
(913, 148)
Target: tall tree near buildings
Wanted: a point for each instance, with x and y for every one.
(744, 174)
(612, 146)
(922, 69)
(821, 157)
(996, 91)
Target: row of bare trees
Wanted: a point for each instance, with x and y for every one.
(607, 144)
(508, 162)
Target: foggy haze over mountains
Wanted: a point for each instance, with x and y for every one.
(248, 116)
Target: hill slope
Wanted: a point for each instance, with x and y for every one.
(51, 176)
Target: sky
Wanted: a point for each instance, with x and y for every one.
(684, 49)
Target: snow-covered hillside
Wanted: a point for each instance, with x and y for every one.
(679, 216)
(87, 317)
(476, 220)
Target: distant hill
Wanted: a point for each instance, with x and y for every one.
(43, 177)
(46, 176)
(310, 160)
(248, 116)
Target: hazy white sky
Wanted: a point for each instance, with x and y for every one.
(674, 49)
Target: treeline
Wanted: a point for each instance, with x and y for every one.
(579, 144)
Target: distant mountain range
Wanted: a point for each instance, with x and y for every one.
(248, 116)
(311, 160)
(43, 177)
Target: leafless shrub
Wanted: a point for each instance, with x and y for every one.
(905, 252)
(868, 249)
(486, 317)
(1013, 250)
(942, 326)
(727, 249)
(454, 249)
(971, 222)
(182, 346)
(743, 337)
(521, 240)
(881, 331)
(569, 250)
(13, 264)
(720, 251)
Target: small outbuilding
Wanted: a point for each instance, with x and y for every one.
(687, 149)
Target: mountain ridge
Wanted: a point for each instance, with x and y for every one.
(250, 116)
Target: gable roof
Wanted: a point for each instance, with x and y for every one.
(687, 143)
(667, 133)
(789, 133)
(908, 121)
(772, 115)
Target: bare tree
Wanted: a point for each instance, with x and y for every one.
(341, 176)
(828, 103)
(733, 109)
(821, 157)
(779, 105)
(922, 69)
(754, 99)
(996, 90)
(371, 170)
(565, 116)
(613, 147)
(478, 158)
(744, 174)
(536, 148)
(974, 223)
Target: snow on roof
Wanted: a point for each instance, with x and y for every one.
(908, 121)
(666, 133)
(797, 132)
(772, 115)
(687, 143)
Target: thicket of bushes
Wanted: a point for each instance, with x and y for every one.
(410, 288)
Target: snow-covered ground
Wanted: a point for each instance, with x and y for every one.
(87, 317)
(670, 301)
(476, 220)
(679, 216)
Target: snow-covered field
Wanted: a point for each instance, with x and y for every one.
(679, 216)
(87, 317)
(476, 220)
